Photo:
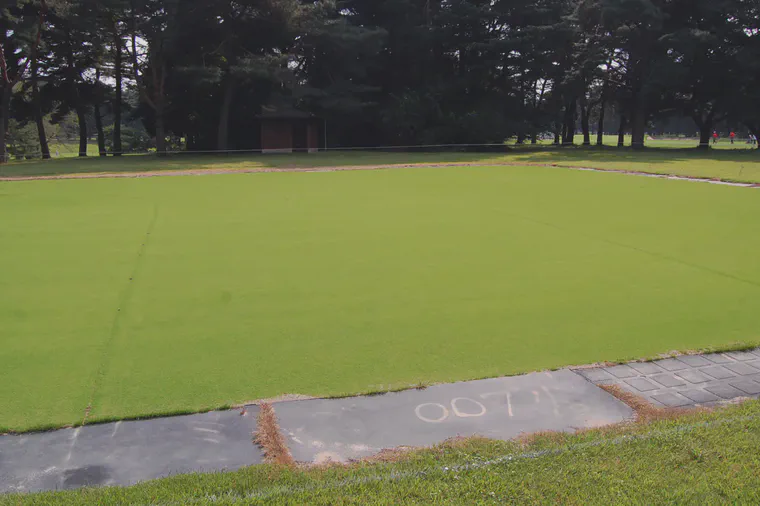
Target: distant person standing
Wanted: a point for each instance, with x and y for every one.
(732, 135)
(715, 136)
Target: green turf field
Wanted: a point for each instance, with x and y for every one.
(144, 296)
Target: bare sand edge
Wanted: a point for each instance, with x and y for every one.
(263, 170)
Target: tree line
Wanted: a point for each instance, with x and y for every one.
(380, 72)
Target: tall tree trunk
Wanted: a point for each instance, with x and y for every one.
(82, 119)
(568, 130)
(705, 129)
(75, 97)
(585, 114)
(224, 115)
(98, 118)
(99, 129)
(160, 128)
(117, 62)
(557, 128)
(38, 118)
(600, 123)
(638, 126)
(621, 131)
(534, 138)
(5, 113)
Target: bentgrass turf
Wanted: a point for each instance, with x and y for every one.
(160, 295)
(701, 458)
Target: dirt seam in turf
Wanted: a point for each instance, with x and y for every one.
(269, 438)
(124, 299)
(209, 172)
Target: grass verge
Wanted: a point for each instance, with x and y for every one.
(696, 458)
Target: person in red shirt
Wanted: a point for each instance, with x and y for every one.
(732, 135)
(715, 136)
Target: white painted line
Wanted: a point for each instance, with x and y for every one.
(466, 415)
(554, 401)
(74, 437)
(202, 429)
(444, 416)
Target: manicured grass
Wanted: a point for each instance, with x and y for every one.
(703, 458)
(160, 295)
(71, 149)
(736, 165)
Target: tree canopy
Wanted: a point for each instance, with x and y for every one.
(195, 74)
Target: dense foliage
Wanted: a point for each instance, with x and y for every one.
(380, 72)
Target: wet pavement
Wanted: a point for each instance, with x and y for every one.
(125, 453)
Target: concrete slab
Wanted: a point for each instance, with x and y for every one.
(743, 368)
(741, 355)
(693, 376)
(647, 368)
(668, 380)
(598, 376)
(747, 386)
(671, 364)
(725, 391)
(502, 408)
(125, 453)
(694, 360)
(622, 371)
(700, 396)
(718, 372)
(718, 358)
(641, 384)
(671, 400)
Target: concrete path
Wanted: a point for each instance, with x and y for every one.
(125, 453)
(501, 408)
(688, 380)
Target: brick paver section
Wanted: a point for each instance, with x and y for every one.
(688, 380)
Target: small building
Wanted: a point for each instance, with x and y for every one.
(289, 130)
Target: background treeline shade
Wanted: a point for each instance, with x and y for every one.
(194, 74)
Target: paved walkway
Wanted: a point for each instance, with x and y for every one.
(125, 453)
(687, 380)
(501, 408)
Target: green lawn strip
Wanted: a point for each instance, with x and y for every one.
(699, 458)
(257, 285)
(728, 164)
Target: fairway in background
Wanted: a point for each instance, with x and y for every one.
(256, 285)
(733, 165)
